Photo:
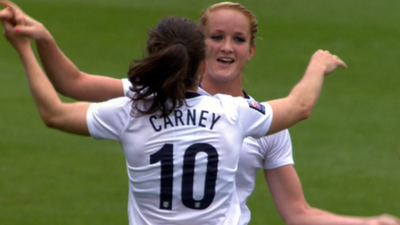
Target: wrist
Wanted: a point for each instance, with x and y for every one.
(370, 221)
(45, 37)
(316, 68)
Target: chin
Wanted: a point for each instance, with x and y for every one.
(224, 77)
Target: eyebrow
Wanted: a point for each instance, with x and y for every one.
(221, 31)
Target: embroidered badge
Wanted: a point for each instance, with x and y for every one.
(256, 106)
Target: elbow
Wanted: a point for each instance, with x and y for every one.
(300, 216)
(300, 109)
(75, 93)
(62, 91)
(304, 112)
(67, 92)
(307, 114)
(291, 222)
(294, 220)
(49, 120)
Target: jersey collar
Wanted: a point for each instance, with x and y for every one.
(191, 95)
(202, 91)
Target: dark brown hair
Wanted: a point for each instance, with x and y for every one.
(175, 51)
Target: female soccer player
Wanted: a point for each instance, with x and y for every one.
(273, 153)
(167, 130)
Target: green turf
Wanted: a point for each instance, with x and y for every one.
(346, 154)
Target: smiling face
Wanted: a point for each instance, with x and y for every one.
(228, 47)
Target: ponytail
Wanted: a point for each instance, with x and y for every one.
(175, 50)
(159, 77)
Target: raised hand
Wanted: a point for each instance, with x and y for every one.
(326, 60)
(24, 25)
(20, 43)
(384, 219)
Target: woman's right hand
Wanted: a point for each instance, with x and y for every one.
(24, 25)
(19, 42)
(327, 61)
(384, 219)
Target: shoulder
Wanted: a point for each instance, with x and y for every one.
(122, 104)
(107, 120)
(234, 101)
(202, 91)
(117, 102)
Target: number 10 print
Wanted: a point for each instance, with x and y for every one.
(165, 156)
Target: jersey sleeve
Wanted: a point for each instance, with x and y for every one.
(277, 149)
(255, 117)
(107, 120)
(126, 85)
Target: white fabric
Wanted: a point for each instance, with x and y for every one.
(151, 144)
(268, 152)
(126, 84)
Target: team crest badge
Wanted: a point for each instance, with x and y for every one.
(256, 106)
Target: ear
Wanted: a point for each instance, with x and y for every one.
(202, 70)
(252, 50)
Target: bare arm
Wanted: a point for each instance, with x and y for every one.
(69, 117)
(287, 193)
(67, 79)
(299, 103)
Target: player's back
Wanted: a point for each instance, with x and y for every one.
(182, 167)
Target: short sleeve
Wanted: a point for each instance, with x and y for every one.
(126, 85)
(277, 149)
(255, 117)
(107, 120)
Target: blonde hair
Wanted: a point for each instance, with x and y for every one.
(231, 6)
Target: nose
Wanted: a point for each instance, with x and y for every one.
(227, 46)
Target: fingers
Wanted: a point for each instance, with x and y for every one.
(17, 15)
(24, 26)
(340, 62)
(10, 5)
(389, 220)
(23, 31)
(328, 60)
(335, 58)
(8, 27)
(6, 14)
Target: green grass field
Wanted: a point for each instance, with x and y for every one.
(346, 154)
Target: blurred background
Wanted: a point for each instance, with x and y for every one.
(346, 153)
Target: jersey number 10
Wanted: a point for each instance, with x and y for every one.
(165, 156)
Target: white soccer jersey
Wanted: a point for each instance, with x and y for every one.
(182, 168)
(268, 152)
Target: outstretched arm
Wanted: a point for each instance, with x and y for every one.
(287, 193)
(67, 79)
(299, 103)
(69, 117)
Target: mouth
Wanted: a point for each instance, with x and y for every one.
(225, 60)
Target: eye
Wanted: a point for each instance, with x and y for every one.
(216, 37)
(239, 39)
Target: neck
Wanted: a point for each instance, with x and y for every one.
(194, 90)
(213, 87)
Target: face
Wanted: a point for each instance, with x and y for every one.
(228, 45)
